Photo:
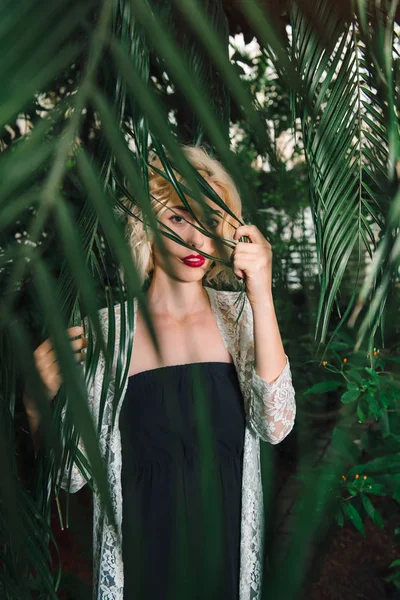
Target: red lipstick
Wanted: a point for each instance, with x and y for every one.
(194, 260)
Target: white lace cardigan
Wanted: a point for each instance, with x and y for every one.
(270, 414)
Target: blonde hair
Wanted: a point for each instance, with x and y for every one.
(162, 193)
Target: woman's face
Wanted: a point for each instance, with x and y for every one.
(183, 263)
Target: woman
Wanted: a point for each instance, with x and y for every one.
(153, 446)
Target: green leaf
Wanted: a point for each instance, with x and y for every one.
(373, 374)
(356, 375)
(354, 516)
(395, 563)
(373, 404)
(339, 517)
(353, 386)
(371, 511)
(396, 497)
(377, 489)
(361, 414)
(325, 386)
(350, 396)
(384, 423)
(381, 464)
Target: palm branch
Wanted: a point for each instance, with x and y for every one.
(346, 143)
(74, 164)
(379, 40)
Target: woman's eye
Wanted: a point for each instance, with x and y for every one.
(213, 224)
(182, 220)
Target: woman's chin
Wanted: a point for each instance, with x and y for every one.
(189, 274)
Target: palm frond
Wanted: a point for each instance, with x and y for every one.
(87, 148)
(378, 38)
(346, 147)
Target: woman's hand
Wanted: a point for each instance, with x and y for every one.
(48, 367)
(253, 261)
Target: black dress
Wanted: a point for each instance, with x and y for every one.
(182, 434)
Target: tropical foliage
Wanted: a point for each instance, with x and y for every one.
(88, 89)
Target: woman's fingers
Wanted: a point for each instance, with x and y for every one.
(79, 343)
(252, 232)
(47, 362)
(47, 346)
(46, 358)
(44, 348)
(245, 248)
(53, 377)
(53, 381)
(75, 331)
(246, 261)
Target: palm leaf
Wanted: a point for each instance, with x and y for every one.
(348, 191)
(95, 143)
(380, 60)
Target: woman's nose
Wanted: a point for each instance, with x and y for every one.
(196, 238)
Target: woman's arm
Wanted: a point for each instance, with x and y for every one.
(269, 354)
(272, 408)
(81, 469)
(48, 367)
(73, 477)
(272, 402)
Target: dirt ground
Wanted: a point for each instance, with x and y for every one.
(351, 567)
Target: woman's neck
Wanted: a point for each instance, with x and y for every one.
(177, 299)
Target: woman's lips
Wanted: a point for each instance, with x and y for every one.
(194, 260)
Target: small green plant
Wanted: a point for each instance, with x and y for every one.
(394, 577)
(374, 391)
(360, 486)
(372, 387)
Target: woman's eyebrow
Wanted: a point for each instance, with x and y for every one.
(183, 208)
(179, 207)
